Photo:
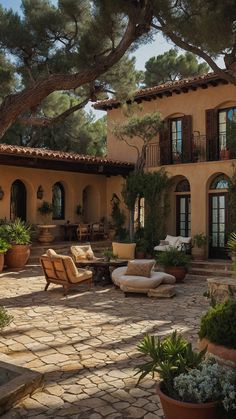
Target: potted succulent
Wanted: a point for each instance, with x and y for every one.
(45, 234)
(231, 246)
(191, 387)
(199, 246)
(17, 233)
(4, 247)
(142, 246)
(218, 332)
(175, 262)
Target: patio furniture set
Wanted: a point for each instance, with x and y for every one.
(88, 231)
(125, 272)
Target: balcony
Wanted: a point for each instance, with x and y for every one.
(197, 149)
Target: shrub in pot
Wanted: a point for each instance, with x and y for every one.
(190, 387)
(218, 332)
(17, 233)
(199, 246)
(175, 262)
(4, 247)
(142, 246)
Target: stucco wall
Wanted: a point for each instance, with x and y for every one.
(101, 189)
(192, 103)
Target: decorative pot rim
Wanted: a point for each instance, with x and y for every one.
(15, 244)
(189, 405)
(221, 351)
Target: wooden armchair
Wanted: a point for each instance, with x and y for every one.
(83, 232)
(97, 231)
(61, 270)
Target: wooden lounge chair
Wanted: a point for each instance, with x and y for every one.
(61, 270)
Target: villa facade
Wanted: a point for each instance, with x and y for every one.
(195, 149)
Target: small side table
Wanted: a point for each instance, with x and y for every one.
(101, 269)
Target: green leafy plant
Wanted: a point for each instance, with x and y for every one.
(46, 208)
(16, 232)
(199, 240)
(173, 257)
(108, 254)
(5, 318)
(218, 324)
(170, 357)
(118, 218)
(4, 245)
(231, 243)
(142, 245)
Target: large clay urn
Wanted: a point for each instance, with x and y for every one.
(199, 253)
(17, 256)
(175, 409)
(179, 272)
(1, 261)
(45, 233)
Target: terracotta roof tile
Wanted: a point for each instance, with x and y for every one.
(59, 155)
(162, 88)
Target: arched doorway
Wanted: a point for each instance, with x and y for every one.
(91, 204)
(18, 200)
(183, 208)
(218, 216)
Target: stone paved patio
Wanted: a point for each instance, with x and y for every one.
(85, 344)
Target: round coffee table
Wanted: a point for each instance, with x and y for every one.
(102, 269)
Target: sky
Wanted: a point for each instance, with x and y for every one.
(158, 46)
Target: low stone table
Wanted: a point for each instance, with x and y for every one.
(221, 289)
(162, 291)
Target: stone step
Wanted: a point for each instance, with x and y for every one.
(212, 265)
(210, 273)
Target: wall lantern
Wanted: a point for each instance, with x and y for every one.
(1, 193)
(40, 192)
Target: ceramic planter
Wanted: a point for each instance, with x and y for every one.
(175, 409)
(1, 261)
(17, 256)
(225, 355)
(178, 272)
(199, 253)
(140, 255)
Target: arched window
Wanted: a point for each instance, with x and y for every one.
(183, 186)
(18, 200)
(58, 201)
(220, 182)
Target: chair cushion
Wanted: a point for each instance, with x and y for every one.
(139, 282)
(82, 252)
(124, 250)
(185, 240)
(139, 269)
(173, 240)
(51, 253)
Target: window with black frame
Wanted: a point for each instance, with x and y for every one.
(176, 139)
(58, 201)
(227, 128)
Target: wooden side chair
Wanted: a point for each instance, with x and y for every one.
(83, 232)
(97, 231)
(61, 270)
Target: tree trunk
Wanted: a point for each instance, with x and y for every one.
(131, 224)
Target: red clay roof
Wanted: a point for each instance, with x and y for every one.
(175, 87)
(58, 155)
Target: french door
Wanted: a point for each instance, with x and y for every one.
(18, 201)
(183, 215)
(218, 225)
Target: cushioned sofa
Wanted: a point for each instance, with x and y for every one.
(142, 284)
(179, 242)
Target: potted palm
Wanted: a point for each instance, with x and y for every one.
(175, 262)
(190, 387)
(17, 233)
(199, 247)
(45, 234)
(4, 247)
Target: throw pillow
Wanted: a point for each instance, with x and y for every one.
(90, 254)
(140, 269)
(124, 250)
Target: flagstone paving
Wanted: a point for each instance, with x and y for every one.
(85, 345)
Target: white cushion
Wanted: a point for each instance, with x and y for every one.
(139, 282)
(185, 240)
(173, 240)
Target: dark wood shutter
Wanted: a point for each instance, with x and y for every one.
(165, 143)
(187, 131)
(212, 141)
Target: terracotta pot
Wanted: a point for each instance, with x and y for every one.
(140, 255)
(17, 256)
(225, 154)
(178, 271)
(175, 409)
(226, 356)
(199, 253)
(1, 261)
